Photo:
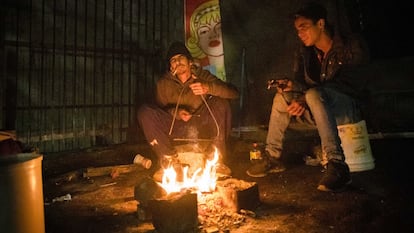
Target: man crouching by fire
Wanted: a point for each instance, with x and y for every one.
(189, 101)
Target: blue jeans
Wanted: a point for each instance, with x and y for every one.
(326, 109)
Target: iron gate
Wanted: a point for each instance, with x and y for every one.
(74, 71)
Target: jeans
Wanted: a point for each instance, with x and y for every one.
(157, 124)
(326, 109)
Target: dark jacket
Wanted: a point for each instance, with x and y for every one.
(342, 67)
(171, 90)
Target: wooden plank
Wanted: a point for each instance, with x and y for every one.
(113, 171)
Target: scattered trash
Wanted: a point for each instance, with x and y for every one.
(66, 197)
(144, 162)
(68, 177)
(248, 213)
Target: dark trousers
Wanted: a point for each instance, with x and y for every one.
(211, 121)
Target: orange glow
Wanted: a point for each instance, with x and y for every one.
(203, 180)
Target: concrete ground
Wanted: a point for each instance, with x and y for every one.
(378, 200)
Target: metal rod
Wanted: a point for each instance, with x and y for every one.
(193, 139)
(380, 135)
(242, 79)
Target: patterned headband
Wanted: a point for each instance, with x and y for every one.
(205, 11)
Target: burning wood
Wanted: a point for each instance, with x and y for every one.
(200, 199)
(202, 180)
(224, 208)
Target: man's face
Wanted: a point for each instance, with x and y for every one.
(308, 32)
(179, 64)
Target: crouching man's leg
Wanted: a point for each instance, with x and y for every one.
(155, 124)
(322, 103)
(278, 123)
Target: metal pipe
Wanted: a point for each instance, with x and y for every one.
(380, 135)
(192, 139)
(242, 79)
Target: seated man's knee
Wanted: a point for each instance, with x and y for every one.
(145, 112)
(313, 94)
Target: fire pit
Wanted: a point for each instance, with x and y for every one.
(178, 207)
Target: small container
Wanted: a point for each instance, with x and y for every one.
(255, 153)
(141, 160)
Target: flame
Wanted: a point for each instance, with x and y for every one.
(203, 180)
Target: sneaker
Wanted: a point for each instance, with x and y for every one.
(336, 177)
(266, 165)
(222, 170)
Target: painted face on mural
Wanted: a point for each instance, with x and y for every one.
(210, 39)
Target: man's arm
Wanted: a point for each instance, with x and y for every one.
(215, 86)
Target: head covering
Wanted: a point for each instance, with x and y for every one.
(313, 11)
(178, 48)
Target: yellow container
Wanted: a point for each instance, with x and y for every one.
(21, 194)
(356, 146)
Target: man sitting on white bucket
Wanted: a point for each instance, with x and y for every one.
(318, 94)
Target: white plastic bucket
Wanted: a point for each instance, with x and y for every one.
(21, 194)
(356, 146)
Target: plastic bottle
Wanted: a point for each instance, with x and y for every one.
(255, 153)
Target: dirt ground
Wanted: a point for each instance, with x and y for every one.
(378, 200)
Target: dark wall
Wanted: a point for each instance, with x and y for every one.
(385, 25)
(257, 42)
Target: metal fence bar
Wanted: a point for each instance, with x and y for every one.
(53, 146)
(30, 73)
(85, 60)
(74, 74)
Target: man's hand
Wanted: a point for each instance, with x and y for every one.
(199, 88)
(296, 108)
(184, 115)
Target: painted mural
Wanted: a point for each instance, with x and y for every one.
(203, 35)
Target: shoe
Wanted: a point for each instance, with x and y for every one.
(336, 177)
(266, 165)
(222, 170)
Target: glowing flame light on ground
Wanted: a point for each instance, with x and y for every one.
(204, 182)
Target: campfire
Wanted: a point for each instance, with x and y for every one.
(202, 180)
(197, 199)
